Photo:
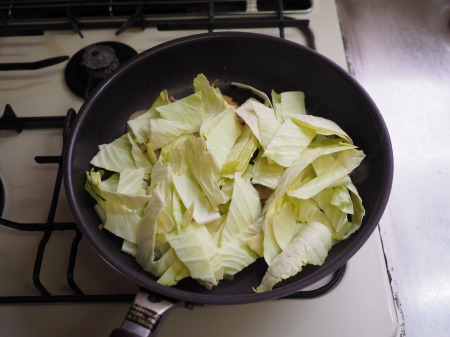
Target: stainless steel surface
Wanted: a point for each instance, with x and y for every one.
(400, 52)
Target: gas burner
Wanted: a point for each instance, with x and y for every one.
(100, 61)
(89, 66)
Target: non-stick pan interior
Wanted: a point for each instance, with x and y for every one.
(265, 63)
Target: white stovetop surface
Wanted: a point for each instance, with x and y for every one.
(361, 305)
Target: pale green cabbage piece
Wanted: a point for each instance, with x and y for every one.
(289, 102)
(288, 142)
(220, 132)
(107, 190)
(202, 166)
(255, 91)
(195, 247)
(309, 246)
(115, 156)
(163, 132)
(188, 111)
(244, 210)
(129, 248)
(261, 120)
(183, 186)
(122, 221)
(191, 195)
(140, 157)
(146, 238)
(212, 100)
(286, 225)
(132, 181)
(253, 236)
(321, 125)
(266, 173)
(343, 165)
(140, 126)
(241, 153)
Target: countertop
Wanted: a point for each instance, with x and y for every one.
(399, 50)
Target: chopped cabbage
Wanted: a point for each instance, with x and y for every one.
(200, 188)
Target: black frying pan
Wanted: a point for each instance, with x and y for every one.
(265, 63)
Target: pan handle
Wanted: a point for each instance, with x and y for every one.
(145, 315)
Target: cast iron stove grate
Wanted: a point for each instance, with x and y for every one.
(12, 122)
(27, 17)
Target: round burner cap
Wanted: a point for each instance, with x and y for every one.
(90, 65)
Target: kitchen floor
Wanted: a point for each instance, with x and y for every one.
(400, 52)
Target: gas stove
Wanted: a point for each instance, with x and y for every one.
(52, 282)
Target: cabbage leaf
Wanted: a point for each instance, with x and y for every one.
(182, 186)
(309, 246)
